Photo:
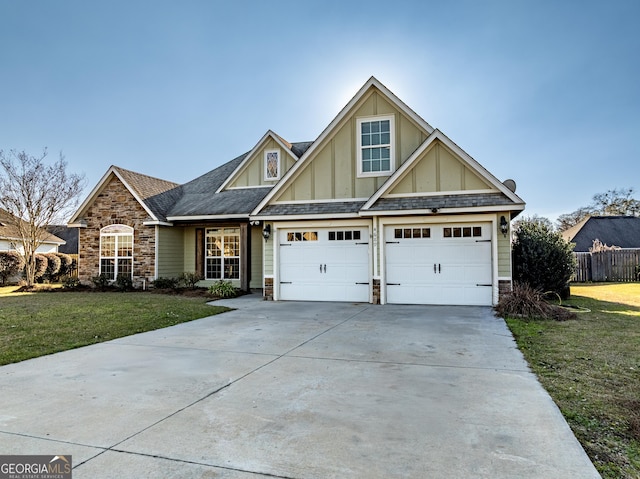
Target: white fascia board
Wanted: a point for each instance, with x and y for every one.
(478, 168)
(112, 170)
(473, 164)
(269, 134)
(80, 224)
(443, 211)
(157, 223)
(303, 217)
(401, 172)
(206, 217)
(310, 202)
(89, 199)
(372, 82)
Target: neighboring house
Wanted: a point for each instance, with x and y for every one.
(380, 208)
(10, 237)
(621, 231)
(69, 235)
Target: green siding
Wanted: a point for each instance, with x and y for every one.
(170, 251)
(189, 249)
(332, 172)
(268, 253)
(504, 249)
(257, 245)
(252, 174)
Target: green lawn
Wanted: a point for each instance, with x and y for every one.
(35, 324)
(591, 368)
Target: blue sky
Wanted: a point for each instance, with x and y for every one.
(544, 92)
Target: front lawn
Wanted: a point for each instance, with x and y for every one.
(35, 324)
(591, 368)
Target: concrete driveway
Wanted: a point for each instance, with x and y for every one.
(296, 390)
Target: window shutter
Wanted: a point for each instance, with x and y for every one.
(200, 251)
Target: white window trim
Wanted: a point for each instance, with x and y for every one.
(392, 135)
(129, 232)
(223, 257)
(274, 178)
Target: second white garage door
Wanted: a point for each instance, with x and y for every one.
(324, 264)
(439, 264)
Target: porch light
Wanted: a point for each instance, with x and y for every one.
(266, 232)
(504, 226)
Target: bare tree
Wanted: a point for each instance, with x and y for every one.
(36, 195)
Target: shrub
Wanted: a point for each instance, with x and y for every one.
(190, 280)
(542, 258)
(66, 265)
(166, 283)
(53, 266)
(101, 282)
(71, 282)
(223, 289)
(124, 283)
(42, 262)
(528, 303)
(10, 265)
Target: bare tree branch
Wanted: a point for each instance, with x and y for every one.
(36, 195)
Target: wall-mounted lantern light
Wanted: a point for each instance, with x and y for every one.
(266, 232)
(504, 226)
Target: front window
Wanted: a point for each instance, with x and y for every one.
(222, 253)
(272, 165)
(375, 146)
(116, 251)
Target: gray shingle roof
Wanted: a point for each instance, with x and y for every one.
(198, 197)
(333, 207)
(159, 195)
(441, 201)
(622, 231)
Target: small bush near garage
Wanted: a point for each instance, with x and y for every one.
(526, 302)
(223, 289)
(542, 259)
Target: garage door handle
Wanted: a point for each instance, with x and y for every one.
(484, 285)
(393, 284)
(439, 268)
(325, 268)
(362, 283)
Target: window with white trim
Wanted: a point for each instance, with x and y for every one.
(375, 145)
(222, 256)
(272, 165)
(116, 251)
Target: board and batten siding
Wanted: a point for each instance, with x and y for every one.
(170, 251)
(332, 172)
(504, 248)
(253, 174)
(257, 248)
(439, 170)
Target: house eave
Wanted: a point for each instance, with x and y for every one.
(442, 211)
(240, 217)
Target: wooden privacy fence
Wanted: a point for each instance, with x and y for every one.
(609, 266)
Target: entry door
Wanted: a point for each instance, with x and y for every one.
(324, 264)
(439, 264)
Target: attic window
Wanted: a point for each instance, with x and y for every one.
(271, 165)
(375, 145)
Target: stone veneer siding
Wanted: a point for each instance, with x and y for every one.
(116, 205)
(504, 287)
(268, 289)
(376, 291)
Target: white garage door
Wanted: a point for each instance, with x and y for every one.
(324, 264)
(439, 264)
